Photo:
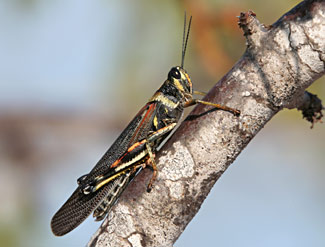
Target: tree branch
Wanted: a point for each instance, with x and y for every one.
(280, 62)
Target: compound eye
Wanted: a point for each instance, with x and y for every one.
(174, 72)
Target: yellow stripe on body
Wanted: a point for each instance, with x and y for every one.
(178, 84)
(163, 99)
(188, 80)
(155, 122)
(132, 161)
(161, 131)
(121, 167)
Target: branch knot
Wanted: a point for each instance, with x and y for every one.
(253, 30)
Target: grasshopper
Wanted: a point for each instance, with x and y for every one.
(133, 150)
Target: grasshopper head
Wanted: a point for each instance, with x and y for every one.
(181, 80)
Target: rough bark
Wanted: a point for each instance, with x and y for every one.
(280, 62)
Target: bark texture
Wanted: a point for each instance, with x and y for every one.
(280, 62)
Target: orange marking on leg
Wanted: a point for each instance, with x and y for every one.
(135, 145)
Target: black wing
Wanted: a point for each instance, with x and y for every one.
(76, 209)
(79, 206)
(137, 130)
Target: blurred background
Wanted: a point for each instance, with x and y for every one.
(74, 72)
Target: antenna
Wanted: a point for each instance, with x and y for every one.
(184, 43)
